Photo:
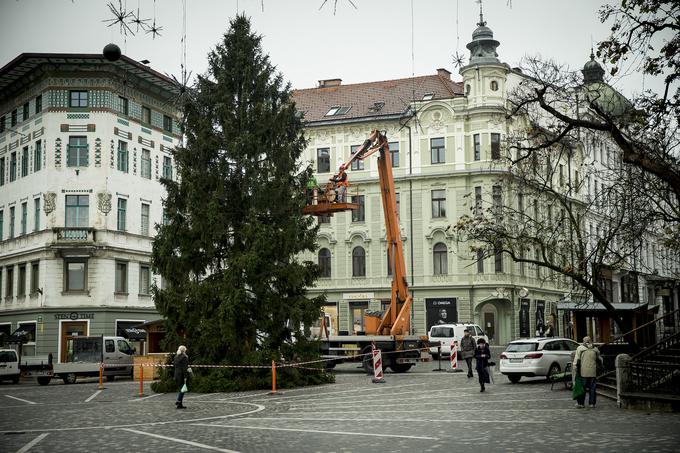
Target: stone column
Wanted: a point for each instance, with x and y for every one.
(623, 376)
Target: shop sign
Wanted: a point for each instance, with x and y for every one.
(74, 315)
(358, 296)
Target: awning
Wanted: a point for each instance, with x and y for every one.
(23, 334)
(133, 333)
(597, 306)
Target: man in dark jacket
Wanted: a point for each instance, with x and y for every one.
(467, 346)
(181, 373)
(483, 355)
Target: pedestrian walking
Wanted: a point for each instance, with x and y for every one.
(585, 367)
(467, 346)
(482, 357)
(182, 374)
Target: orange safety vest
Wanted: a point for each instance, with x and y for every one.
(343, 181)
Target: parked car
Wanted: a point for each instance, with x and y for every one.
(9, 366)
(446, 334)
(536, 357)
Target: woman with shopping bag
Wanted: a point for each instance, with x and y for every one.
(182, 375)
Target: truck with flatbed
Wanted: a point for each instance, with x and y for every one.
(387, 330)
(84, 358)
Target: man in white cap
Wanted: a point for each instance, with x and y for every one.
(585, 365)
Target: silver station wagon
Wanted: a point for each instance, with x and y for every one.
(536, 357)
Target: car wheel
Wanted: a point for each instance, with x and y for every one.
(401, 367)
(44, 380)
(514, 378)
(69, 378)
(15, 380)
(554, 369)
(367, 361)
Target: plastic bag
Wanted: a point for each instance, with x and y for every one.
(577, 389)
(184, 388)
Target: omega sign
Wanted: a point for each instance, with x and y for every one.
(74, 315)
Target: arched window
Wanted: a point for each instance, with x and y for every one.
(325, 262)
(440, 261)
(494, 85)
(358, 262)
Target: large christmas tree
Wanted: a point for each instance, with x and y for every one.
(234, 290)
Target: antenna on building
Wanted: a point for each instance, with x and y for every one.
(481, 22)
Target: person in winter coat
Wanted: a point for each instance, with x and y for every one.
(482, 357)
(181, 373)
(467, 345)
(585, 365)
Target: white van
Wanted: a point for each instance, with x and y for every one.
(9, 366)
(446, 334)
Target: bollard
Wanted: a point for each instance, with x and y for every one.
(377, 365)
(141, 380)
(454, 357)
(439, 358)
(273, 392)
(101, 376)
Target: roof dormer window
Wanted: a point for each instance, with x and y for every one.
(337, 110)
(428, 96)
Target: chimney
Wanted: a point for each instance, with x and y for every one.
(444, 73)
(329, 83)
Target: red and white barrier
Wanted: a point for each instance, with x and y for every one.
(454, 356)
(377, 366)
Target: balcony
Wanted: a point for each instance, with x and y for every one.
(69, 235)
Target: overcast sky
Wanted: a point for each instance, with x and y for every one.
(379, 40)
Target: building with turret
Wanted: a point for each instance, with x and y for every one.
(84, 142)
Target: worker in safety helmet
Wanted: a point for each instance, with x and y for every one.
(341, 182)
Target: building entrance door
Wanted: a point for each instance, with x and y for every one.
(490, 326)
(70, 330)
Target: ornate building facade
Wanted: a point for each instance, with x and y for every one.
(83, 144)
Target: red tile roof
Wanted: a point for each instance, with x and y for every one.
(365, 97)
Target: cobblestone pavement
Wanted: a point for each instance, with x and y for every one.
(418, 411)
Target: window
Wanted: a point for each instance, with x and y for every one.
(2, 124)
(324, 219)
(38, 103)
(356, 164)
(397, 197)
(325, 262)
(394, 153)
(167, 167)
(577, 183)
(439, 203)
(437, 150)
(477, 146)
(146, 164)
(561, 175)
(358, 215)
(2, 171)
(121, 277)
(122, 156)
(37, 156)
(2, 225)
(478, 200)
(77, 210)
(494, 85)
(467, 89)
(495, 146)
(122, 207)
(14, 118)
(11, 222)
(24, 162)
(21, 283)
(78, 99)
(123, 105)
(75, 274)
(9, 286)
(146, 115)
(167, 123)
(144, 280)
(77, 153)
(440, 259)
(109, 346)
(323, 160)
(24, 217)
(480, 261)
(13, 167)
(358, 262)
(338, 110)
(26, 112)
(497, 200)
(35, 277)
(498, 256)
(145, 219)
(520, 203)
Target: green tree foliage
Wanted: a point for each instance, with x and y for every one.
(234, 291)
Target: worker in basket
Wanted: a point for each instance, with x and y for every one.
(341, 182)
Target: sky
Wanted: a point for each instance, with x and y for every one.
(307, 41)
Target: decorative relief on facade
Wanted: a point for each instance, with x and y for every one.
(49, 202)
(104, 202)
(156, 165)
(134, 161)
(112, 153)
(97, 152)
(78, 116)
(57, 153)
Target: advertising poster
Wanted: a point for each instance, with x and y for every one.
(540, 318)
(441, 311)
(524, 318)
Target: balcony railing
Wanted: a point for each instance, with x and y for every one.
(74, 234)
